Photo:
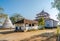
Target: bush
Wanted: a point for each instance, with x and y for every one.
(40, 27)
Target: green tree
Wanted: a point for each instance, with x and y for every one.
(56, 4)
(16, 17)
(2, 14)
(1, 9)
(41, 22)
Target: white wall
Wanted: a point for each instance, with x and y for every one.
(0, 25)
(49, 23)
(35, 27)
(32, 27)
(55, 23)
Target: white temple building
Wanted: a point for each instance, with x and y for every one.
(48, 21)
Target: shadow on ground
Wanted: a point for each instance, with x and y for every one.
(7, 32)
(48, 36)
(3, 40)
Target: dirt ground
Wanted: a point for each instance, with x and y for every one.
(22, 36)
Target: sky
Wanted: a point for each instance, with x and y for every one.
(28, 8)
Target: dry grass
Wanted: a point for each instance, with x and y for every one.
(42, 37)
(20, 36)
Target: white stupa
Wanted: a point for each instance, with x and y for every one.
(8, 23)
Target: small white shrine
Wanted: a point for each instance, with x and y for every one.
(8, 23)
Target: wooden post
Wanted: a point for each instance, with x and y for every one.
(58, 34)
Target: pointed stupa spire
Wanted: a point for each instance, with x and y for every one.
(8, 23)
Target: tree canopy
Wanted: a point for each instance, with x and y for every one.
(3, 16)
(41, 21)
(16, 17)
(56, 4)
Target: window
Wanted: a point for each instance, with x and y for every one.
(32, 24)
(29, 24)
